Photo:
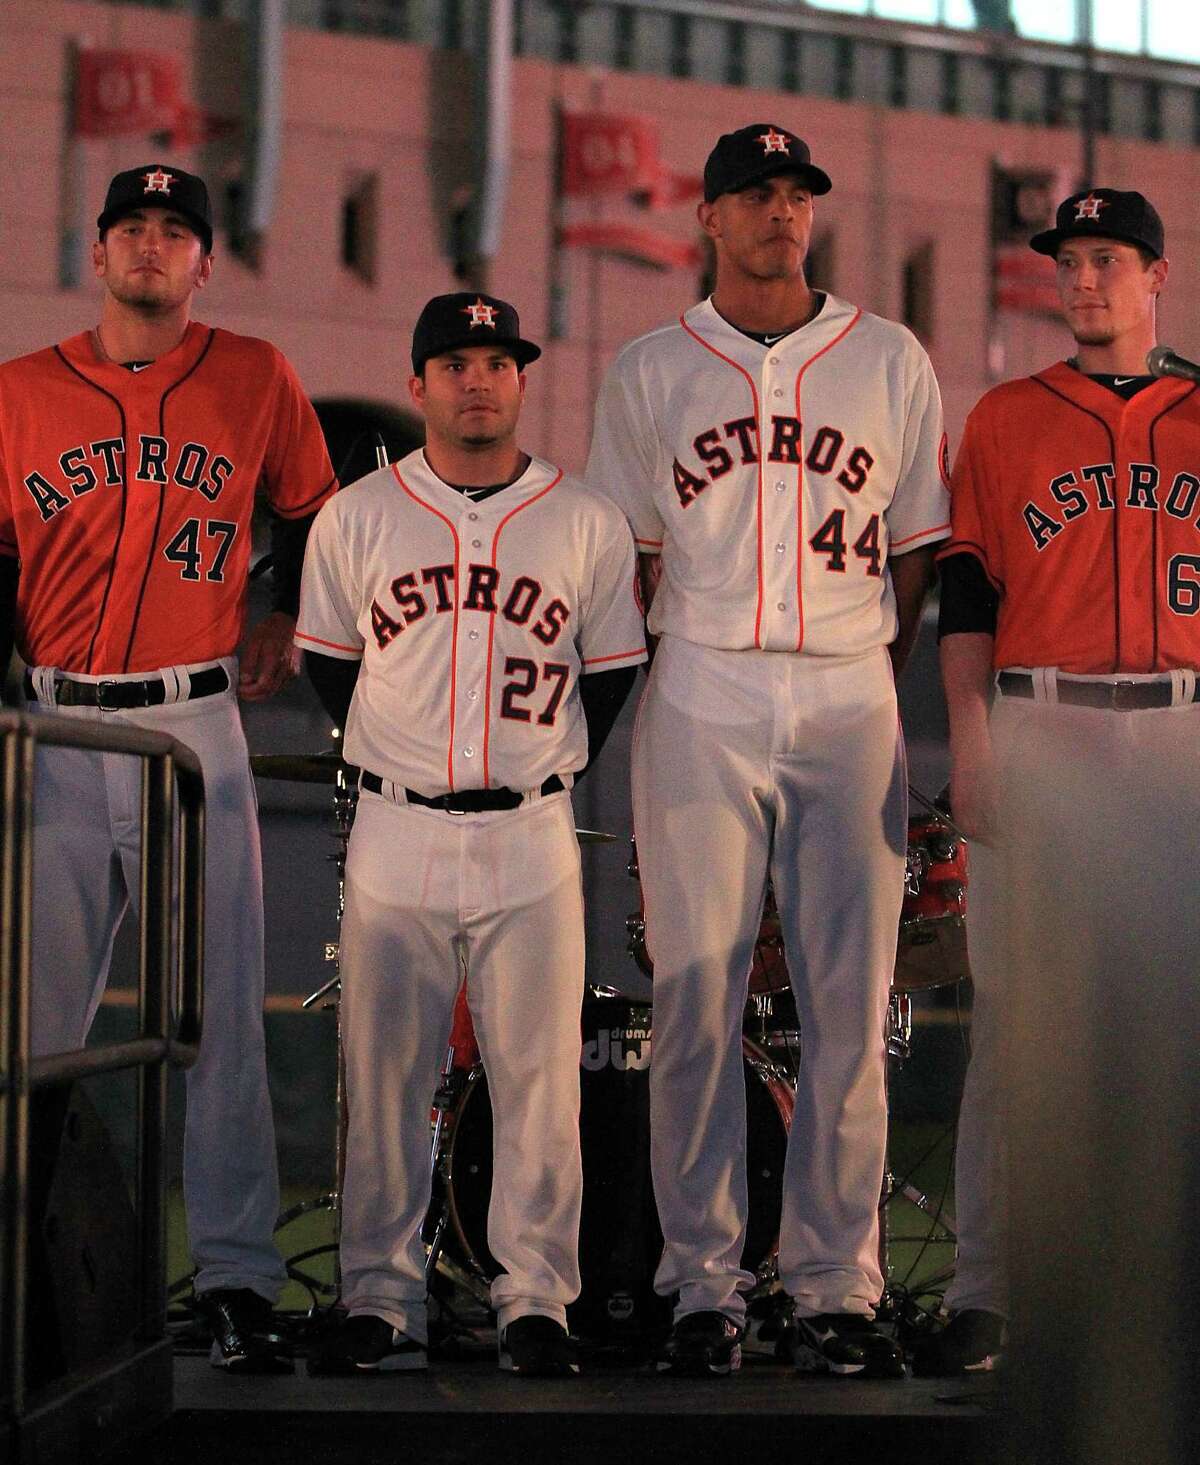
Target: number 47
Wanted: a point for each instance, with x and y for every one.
(184, 548)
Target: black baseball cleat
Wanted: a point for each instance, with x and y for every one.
(365, 1344)
(702, 1345)
(537, 1347)
(971, 1342)
(843, 1343)
(245, 1332)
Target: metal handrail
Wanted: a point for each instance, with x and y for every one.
(171, 966)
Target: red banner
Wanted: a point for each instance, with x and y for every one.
(604, 153)
(126, 93)
(1023, 202)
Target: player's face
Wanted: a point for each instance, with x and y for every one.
(471, 397)
(1107, 293)
(762, 231)
(151, 260)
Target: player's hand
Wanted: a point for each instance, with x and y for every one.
(973, 793)
(266, 659)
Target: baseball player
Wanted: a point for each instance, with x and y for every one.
(1070, 592)
(471, 593)
(777, 453)
(130, 456)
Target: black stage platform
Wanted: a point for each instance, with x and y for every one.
(468, 1413)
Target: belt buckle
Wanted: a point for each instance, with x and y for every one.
(1123, 696)
(103, 690)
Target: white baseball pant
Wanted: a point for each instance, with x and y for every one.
(750, 764)
(431, 896)
(87, 842)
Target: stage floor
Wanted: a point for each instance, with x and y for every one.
(467, 1411)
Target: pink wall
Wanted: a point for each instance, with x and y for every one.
(360, 105)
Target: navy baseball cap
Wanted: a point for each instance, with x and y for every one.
(1104, 213)
(468, 318)
(756, 152)
(155, 185)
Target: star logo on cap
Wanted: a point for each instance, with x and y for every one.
(773, 142)
(481, 314)
(158, 181)
(1089, 208)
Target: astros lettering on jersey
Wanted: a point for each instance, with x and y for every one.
(1095, 544)
(128, 495)
(829, 465)
(474, 620)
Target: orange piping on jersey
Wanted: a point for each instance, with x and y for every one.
(921, 534)
(652, 544)
(616, 656)
(333, 645)
(487, 683)
(761, 451)
(828, 346)
(417, 499)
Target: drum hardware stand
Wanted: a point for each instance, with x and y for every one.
(449, 1090)
(327, 996)
(939, 810)
(898, 1035)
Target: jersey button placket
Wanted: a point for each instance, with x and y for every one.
(778, 527)
(472, 672)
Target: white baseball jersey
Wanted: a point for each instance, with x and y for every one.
(775, 480)
(474, 620)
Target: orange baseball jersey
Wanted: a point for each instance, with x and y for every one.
(1084, 511)
(128, 495)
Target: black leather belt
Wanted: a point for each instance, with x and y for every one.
(1115, 696)
(111, 696)
(471, 800)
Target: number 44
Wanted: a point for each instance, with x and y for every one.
(184, 549)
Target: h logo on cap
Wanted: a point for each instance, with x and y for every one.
(1089, 208)
(481, 314)
(773, 142)
(158, 181)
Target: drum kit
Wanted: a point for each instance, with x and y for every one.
(620, 1240)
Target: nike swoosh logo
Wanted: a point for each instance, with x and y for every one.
(770, 340)
(1122, 381)
(142, 365)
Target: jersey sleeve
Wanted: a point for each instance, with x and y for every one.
(613, 632)
(624, 460)
(299, 475)
(328, 619)
(970, 499)
(919, 513)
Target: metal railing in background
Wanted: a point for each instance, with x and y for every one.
(171, 907)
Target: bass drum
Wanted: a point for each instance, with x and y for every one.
(620, 1241)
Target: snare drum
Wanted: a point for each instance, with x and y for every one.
(932, 950)
(619, 1238)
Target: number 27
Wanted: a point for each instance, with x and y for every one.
(524, 675)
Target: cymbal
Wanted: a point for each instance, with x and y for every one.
(595, 836)
(300, 767)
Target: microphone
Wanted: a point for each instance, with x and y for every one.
(1162, 361)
